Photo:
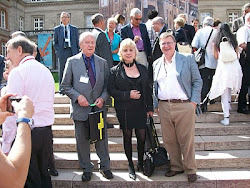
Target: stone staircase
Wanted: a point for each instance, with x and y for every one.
(222, 152)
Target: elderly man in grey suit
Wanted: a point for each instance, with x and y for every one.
(85, 82)
(102, 48)
(66, 41)
(177, 89)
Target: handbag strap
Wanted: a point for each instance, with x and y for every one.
(208, 38)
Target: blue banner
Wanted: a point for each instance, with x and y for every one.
(45, 49)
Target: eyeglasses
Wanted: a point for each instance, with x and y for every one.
(138, 19)
(166, 43)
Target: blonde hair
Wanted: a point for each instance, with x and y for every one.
(180, 21)
(127, 43)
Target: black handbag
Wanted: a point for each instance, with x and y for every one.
(148, 165)
(151, 139)
(152, 144)
(160, 156)
(96, 126)
(201, 52)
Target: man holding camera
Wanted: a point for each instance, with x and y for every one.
(28, 78)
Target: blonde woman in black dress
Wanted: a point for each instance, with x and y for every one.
(129, 85)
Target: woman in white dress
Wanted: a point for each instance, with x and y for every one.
(228, 74)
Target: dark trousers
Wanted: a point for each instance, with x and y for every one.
(245, 65)
(242, 101)
(38, 175)
(207, 78)
(61, 63)
(51, 158)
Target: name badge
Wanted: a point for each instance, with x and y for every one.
(66, 40)
(84, 79)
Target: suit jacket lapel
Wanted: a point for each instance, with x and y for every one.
(130, 32)
(97, 69)
(179, 63)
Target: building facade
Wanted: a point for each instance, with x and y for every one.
(41, 16)
(168, 9)
(225, 10)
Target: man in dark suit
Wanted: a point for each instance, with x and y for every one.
(85, 82)
(160, 27)
(239, 22)
(189, 29)
(137, 31)
(1, 67)
(102, 48)
(66, 41)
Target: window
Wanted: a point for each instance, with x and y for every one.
(38, 23)
(232, 16)
(3, 47)
(88, 22)
(203, 15)
(21, 23)
(3, 17)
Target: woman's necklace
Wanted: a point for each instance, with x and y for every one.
(129, 64)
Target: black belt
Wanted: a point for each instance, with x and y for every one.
(176, 101)
(67, 48)
(41, 128)
(141, 50)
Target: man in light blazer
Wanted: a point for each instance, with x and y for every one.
(85, 82)
(137, 31)
(66, 39)
(177, 91)
(102, 48)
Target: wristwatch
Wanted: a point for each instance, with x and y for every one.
(29, 121)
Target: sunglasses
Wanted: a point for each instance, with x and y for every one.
(138, 19)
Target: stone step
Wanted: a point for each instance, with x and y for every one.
(204, 159)
(202, 143)
(214, 178)
(208, 117)
(240, 128)
(216, 107)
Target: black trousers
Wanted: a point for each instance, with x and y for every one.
(51, 158)
(207, 78)
(38, 175)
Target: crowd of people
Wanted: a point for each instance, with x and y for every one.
(141, 67)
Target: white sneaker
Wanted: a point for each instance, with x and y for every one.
(225, 121)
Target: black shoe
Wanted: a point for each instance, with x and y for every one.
(107, 174)
(243, 111)
(86, 176)
(131, 171)
(53, 172)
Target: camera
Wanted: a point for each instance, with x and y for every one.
(9, 105)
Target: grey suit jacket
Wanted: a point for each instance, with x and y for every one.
(72, 87)
(188, 77)
(102, 47)
(59, 40)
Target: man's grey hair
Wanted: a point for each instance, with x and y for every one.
(63, 14)
(135, 11)
(208, 21)
(96, 18)
(245, 7)
(27, 45)
(18, 33)
(159, 20)
(84, 35)
(166, 35)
